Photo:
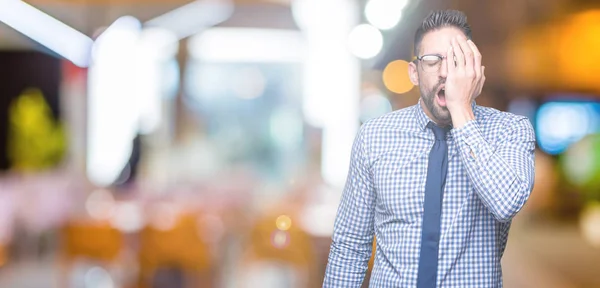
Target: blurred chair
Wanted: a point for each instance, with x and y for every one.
(175, 256)
(92, 241)
(278, 254)
(3, 254)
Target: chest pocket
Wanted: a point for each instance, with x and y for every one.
(400, 185)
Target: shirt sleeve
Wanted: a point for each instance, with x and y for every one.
(352, 239)
(501, 171)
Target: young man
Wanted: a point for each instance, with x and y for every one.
(437, 183)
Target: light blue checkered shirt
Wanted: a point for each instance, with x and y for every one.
(490, 176)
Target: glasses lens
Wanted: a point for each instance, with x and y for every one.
(431, 63)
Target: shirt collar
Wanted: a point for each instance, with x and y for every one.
(423, 119)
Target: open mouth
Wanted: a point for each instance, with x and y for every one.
(441, 97)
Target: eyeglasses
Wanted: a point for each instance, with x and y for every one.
(431, 63)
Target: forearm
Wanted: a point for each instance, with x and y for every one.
(348, 262)
(352, 238)
(502, 176)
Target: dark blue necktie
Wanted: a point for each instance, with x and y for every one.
(432, 208)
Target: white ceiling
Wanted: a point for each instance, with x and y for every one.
(88, 18)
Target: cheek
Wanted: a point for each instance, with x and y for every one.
(428, 82)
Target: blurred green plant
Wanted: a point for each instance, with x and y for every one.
(581, 166)
(35, 141)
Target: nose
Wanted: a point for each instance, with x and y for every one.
(444, 68)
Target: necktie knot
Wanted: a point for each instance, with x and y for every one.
(439, 132)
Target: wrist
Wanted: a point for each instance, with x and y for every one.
(461, 114)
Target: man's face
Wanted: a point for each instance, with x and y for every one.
(431, 77)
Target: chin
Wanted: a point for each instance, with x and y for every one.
(442, 116)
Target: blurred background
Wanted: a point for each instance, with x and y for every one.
(151, 143)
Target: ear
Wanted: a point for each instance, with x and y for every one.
(413, 74)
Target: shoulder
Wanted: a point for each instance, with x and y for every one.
(494, 121)
(387, 132)
(393, 121)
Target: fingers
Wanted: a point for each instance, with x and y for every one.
(463, 59)
(482, 79)
(480, 82)
(458, 53)
(450, 61)
(478, 69)
(468, 55)
(483, 73)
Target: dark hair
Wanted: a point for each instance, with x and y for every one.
(439, 19)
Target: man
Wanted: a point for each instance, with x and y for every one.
(437, 183)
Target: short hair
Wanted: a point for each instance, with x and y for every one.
(440, 19)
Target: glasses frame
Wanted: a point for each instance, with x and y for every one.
(441, 57)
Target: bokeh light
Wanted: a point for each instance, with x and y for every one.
(581, 164)
(374, 105)
(365, 41)
(384, 14)
(128, 217)
(280, 239)
(100, 204)
(249, 83)
(579, 37)
(560, 124)
(164, 216)
(590, 224)
(98, 277)
(283, 222)
(395, 77)
(286, 128)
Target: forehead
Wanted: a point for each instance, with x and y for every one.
(438, 41)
